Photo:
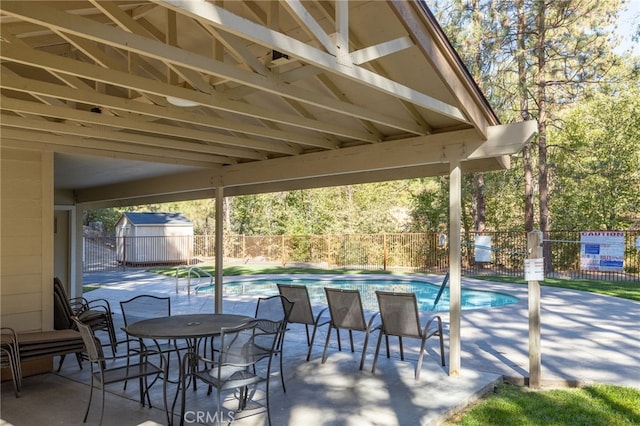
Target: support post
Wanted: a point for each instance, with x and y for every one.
(219, 249)
(455, 268)
(534, 248)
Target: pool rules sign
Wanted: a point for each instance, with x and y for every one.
(602, 251)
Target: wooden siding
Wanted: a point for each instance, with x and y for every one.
(26, 235)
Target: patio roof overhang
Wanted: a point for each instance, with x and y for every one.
(169, 100)
(281, 95)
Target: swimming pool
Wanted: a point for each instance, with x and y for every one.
(425, 291)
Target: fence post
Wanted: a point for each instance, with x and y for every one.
(534, 248)
(384, 252)
(284, 261)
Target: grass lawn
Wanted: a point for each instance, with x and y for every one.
(623, 289)
(232, 271)
(604, 405)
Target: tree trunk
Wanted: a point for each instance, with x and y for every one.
(543, 171)
(481, 217)
(524, 116)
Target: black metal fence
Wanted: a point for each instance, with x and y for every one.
(411, 252)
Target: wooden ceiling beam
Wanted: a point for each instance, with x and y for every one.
(160, 51)
(214, 100)
(159, 129)
(222, 18)
(134, 139)
(38, 88)
(82, 145)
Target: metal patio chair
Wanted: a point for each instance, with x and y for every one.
(345, 309)
(400, 317)
(235, 368)
(96, 313)
(147, 306)
(278, 309)
(10, 357)
(302, 312)
(107, 370)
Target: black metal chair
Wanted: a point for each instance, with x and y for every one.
(10, 357)
(345, 309)
(107, 370)
(96, 313)
(277, 309)
(146, 306)
(235, 369)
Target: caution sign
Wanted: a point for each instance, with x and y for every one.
(602, 251)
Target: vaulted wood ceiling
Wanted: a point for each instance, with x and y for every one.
(276, 95)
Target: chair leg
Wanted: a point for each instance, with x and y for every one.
(313, 337)
(423, 343)
(60, 363)
(79, 359)
(281, 356)
(267, 396)
(364, 349)
(183, 385)
(375, 357)
(86, 413)
(441, 343)
(102, 406)
(386, 341)
(351, 340)
(306, 326)
(326, 344)
(401, 348)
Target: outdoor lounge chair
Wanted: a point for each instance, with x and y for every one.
(241, 348)
(97, 313)
(106, 370)
(400, 317)
(302, 312)
(345, 308)
(277, 309)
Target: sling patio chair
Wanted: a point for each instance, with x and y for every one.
(235, 368)
(302, 312)
(400, 317)
(278, 309)
(345, 309)
(96, 313)
(143, 365)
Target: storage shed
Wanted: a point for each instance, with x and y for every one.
(147, 238)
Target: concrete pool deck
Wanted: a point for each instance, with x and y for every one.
(586, 338)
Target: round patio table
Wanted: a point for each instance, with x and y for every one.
(189, 327)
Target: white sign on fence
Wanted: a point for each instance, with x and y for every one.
(483, 248)
(602, 251)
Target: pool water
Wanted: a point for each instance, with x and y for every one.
(425, 292)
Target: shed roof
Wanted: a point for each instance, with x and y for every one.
(153, 218)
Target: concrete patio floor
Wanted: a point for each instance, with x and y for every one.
(586, 338)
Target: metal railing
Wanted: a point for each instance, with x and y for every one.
(411, 252)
